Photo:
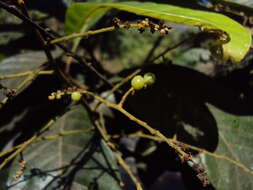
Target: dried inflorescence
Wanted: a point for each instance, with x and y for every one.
(198, 168)
(142, 24)
(127, 25)
(116, 22)
(60, 93)
(10, 93)
(201, 173)
(56, 95)
(7, 91)
(20, 172)
(162, 28)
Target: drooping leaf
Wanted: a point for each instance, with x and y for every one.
(234, 50)
(80, 18)
(235, 142)
(78, 161)
(85, 17)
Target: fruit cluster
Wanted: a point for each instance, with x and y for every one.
(139, 82)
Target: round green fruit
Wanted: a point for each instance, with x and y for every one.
(149, 78)
(138, 82)
(76, 96)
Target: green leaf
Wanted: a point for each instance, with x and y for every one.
(235, 142)
(77, 161)
(80, 19)
(235, 50)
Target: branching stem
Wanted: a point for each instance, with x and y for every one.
(238, 164)
(87, 34)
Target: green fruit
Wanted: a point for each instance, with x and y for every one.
(138, 82)
(76, 96)
(149, 78)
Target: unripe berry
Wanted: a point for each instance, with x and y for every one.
(76, 96)
(149, 78)
(138, 82)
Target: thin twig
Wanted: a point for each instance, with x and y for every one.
(23, 84)
(151, 52)
(46, 49)
(51, 137)
(171, 48)
(124, 97)
(140, 122)
(10, 76)
(26, 144)
(121, 161)
(128, 170)
(64, 133)
(38, 33)
(88, 33)
(102, 129)
(118, 85)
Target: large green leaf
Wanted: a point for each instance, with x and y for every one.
(235, 142)
(78, 161)
(235, 49)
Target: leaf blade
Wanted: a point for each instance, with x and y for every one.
(240, 38)
(235, 142)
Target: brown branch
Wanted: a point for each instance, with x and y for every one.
(152, 50)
